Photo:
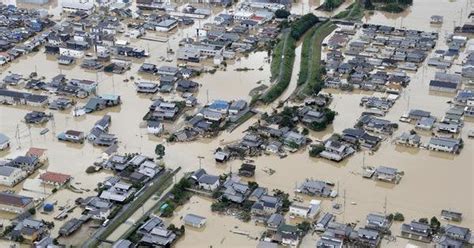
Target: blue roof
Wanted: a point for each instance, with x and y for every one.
(219, 104)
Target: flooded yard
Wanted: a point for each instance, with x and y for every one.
(219, 231)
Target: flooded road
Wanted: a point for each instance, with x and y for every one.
(433, 181)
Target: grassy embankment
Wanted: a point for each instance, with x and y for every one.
(310, 80)
(283, 57)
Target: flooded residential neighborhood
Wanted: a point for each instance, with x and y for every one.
(148, 123)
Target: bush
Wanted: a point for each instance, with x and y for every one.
(245, 216)
(220, 206)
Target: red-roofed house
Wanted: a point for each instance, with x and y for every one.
(39, 153)
(55, 178)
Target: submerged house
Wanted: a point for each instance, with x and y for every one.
(417, 231)
(409, 139)
(235, 191)
(387, 174)
(336, 150)
(155, 233)
(445, 144)
(315, 188)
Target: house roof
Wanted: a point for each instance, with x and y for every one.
(443, 84)
(3, 138)
(6, 170)
(275, 219)
(14, 200)
(440, 141)
(55, 177)
(386, 170)
(208, 179)
(194, 219)
(36, 152)
(122, 243)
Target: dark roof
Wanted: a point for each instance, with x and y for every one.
(14, 200)
(443, 84)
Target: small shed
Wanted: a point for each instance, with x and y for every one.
(194, 220)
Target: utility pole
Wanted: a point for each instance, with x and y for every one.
(344, 207)
(29, 134)
(200, 158)
(385, 206)
(18, 138)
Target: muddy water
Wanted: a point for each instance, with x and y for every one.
(218, 229)
(432, 181)
(418, 16)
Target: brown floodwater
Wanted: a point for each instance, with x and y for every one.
(433, 181)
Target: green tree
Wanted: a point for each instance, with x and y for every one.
(316, 150)
(435, 224)
(369, 5)
(398, 217)
(253, 185)
(160, 151)
(304, 226)
(32, 211)
(305, 131)
(282, 13)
